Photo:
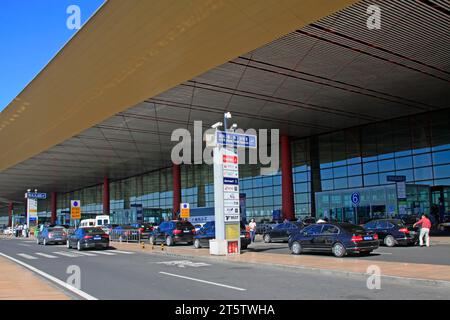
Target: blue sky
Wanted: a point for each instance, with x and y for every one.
(31, 33)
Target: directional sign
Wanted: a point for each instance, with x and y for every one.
(185, 210)
(396, 178)
(75, 210)
(35, 195)
(233, 181)
(356, 198)
(236, 139)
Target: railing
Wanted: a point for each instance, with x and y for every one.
(125, 235)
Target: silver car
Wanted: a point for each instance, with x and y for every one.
(52, 235)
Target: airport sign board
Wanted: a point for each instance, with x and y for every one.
(36, 195)
(75, 210)
(232, 139)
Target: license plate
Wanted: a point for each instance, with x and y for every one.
(97, 238)
(186, 231)
(58, 238)
(368, 238)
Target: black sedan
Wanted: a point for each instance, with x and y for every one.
(281, 232)
(392, 232)
(338, 238)
(86, 238)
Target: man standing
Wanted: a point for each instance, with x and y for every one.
(252, 226)
(425, 230)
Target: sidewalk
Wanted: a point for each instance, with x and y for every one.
(406, 271)
(18, 283)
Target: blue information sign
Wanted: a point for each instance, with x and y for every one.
(356, 198)
(34, 195)
(234, 181)
(236, 139)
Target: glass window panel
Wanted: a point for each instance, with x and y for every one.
(326, 173)
(268, 191)
(301, 187)
(403, 163)
(301, 177)
(386, 165)
(355, 181)
(442, 172)
(422, 160)
(340, 172)
(340, 183)
(408, 173)
(354, 170)
(383, 177)
(441, 157)
(327, 185)
(370, 167)
(371, 179)
(423, 173)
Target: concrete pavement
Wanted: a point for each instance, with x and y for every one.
(135, 274)
(18, 283)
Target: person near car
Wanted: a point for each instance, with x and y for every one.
(425, 224)
(252, 226)
(25, 231)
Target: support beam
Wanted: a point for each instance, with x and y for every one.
(106, 196)
(10, 212)
(176, 174)
(53, 207)
(287, 191)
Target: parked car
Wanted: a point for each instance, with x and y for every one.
(282, 231)
(338, 238)
(393, 232)
(208, 232)
(444, 225)
(171, 232)
(198, 226)
(88, 237)
(262, 228)
(52, 235)
(144, 229)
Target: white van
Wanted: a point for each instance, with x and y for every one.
(99, 221)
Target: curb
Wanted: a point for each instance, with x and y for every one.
(359, 275)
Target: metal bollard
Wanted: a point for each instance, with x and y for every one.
(162, 246)
(142, 244)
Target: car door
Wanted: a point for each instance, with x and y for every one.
(310, 235)
(382, 229)
(289, 228)
(277, 232)
(328, 236)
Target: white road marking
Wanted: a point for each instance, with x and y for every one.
(24, 244)
(26, 256)
(203, 281)
(86, 254)
(105, 253)
(45, 255)
(124, 252)
(51, 278)
(66, 254)
(184, 263)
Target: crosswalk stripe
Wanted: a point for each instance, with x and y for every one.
(66, 254)
(45, 255)
(26, 256)
(105, 253)
(124, 252)
(86, 254)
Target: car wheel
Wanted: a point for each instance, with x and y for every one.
(197, 244)
(296, 247)
(389, 241)
(267, 238)
(79, 246)
(169, 241)
(339, 250)
(151, 240)
(68, 244)
(44, 242)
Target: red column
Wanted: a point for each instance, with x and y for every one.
(106, 196)
(10, 210)
(176, 174)
(53, 207)
(287, 192)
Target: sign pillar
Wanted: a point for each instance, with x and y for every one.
(75, 211)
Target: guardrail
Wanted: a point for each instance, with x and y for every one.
(125, 235)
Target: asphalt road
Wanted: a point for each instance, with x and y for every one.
(116, 274)
(435, 254)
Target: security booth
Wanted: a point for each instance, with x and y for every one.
(359, 205)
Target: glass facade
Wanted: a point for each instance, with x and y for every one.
(417, 147)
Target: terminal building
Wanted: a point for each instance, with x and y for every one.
(353, 106)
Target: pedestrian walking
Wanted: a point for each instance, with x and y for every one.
(425, 224)
(252, 226)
